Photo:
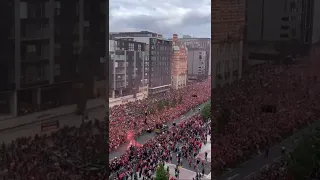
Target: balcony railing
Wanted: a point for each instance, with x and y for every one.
(36, 34)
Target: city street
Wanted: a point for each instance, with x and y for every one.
(256, 164)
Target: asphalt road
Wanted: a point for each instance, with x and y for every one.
(146, 137)
(256, 164)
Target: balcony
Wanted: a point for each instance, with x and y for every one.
(120, 70)
(39, 34)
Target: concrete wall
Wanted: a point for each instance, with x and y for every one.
(316, 22)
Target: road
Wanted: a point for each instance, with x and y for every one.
(256, 164)
(146, 137)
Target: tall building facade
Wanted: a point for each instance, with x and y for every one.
(196, 64)
(126, 65)
(179, 64)
(272, 23)
(199, 44)
(228, 20)
(157, 65)
(43, 52)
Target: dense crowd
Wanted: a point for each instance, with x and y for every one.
(137, 116)
(183, 141)
(64, 154)
(291, 94)
(275, 171)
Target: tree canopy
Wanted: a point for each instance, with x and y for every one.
(161, 173)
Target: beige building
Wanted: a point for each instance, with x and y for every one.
(179, 64)
(228, 20)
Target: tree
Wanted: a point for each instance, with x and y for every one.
(206, 112)
(161, 173)
(160, 105)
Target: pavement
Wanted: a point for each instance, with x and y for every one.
(147, 136)
(8, 123)
(256, 164)
(31, 129)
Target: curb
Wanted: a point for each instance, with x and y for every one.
(37, 121)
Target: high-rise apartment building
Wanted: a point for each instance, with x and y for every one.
(159, 53)
(42, 52)
(126, 63)
(228, 20)
(179, 64)
(198, 44)
(197, 64)
(272, 23)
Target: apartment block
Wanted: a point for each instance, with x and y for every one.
(158, 58)
(127, 67)
(274, 25)
(196, 64)
(198, 44)
(179, 64)
(228, 20)
(42, 52)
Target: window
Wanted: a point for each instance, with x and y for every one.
(56, 71)
(131, 46)
(294, 32)
(200, 56)
(285, 27)
(285, 19)
(284, 35)
(23, 10)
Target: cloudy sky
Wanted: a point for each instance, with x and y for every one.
(184, 17)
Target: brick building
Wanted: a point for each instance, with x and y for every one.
(228, 20)
(179, 64)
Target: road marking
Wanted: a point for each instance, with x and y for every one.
(232, 177)
(277, 158)
(251, 174)
(264, 166)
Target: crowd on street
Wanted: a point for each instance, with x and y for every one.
(64, 154)
(266, 105)
(139, 116)
(182, 141)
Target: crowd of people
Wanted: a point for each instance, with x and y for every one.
(142, 115)
(266, 105)
(65, 154)
(182, 141)
(275, 171)
(75, 153)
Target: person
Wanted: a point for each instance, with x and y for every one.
(283, 150)
(206, 155)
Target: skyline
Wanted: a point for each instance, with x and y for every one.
(169, 17)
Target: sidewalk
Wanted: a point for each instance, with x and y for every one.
(14, 122)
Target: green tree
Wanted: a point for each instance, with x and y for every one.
(161, 173)
(206, 112)
(305, 156)
(160, 105)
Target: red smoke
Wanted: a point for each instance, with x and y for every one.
(131, 140)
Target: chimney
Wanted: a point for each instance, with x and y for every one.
(174, 39)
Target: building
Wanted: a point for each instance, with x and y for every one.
(126, 65)
(42, 61)
(196, 64)
(199, 44)
(285, 23)
(228, 20)
(179, 64)
(159, 53)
